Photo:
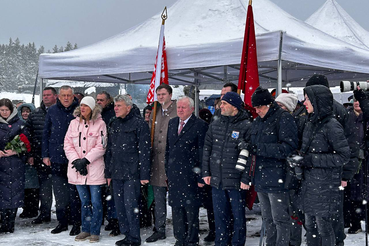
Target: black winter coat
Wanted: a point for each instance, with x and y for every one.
(345, 118)
(108, 112)
(11, 168)
(183, 158)
(35, 122)
(221, 150)
(274, 138)
(128, 151)
(56, 125)
(326, 152)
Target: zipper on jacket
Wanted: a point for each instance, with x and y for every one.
(80, 139)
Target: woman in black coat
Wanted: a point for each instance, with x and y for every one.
(12, 166)
(325, 151)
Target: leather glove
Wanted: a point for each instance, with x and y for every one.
(81, 166)
(360, 95)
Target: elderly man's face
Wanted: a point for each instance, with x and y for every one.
(66, 97)
(121, 109)
(184, 110)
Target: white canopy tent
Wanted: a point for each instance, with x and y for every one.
(204, 43)
(331, 18)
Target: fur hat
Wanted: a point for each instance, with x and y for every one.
(289, 100)
(261, 97)
(317, 79)
(234, 99)
(89, 101)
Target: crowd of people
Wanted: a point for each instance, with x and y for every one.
(305, 160)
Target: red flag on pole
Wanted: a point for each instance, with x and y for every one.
(159, 76)
(248, 80)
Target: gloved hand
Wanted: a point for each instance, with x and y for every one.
(243, 145)
(359, 95)
(81, 166)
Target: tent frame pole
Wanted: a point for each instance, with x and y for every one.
(279, 81)
(197, 95)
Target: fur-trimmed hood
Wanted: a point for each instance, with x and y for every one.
(96, 112)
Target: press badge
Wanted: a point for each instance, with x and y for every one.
(235, 134)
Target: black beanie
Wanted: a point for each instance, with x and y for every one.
(234, 99)
(261, 97)
(317, 80)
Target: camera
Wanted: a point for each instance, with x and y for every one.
(242, 160)
(352, 85)
(295, 162)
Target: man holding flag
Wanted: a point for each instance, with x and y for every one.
(162, 92)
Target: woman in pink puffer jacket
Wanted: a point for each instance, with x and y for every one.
(84, 146)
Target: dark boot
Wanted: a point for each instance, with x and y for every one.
(115, 231)
(111, 225)
(8, 220)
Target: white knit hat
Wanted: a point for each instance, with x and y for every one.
(89, 101)
(289, 100)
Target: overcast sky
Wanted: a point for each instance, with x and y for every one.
(50, 22)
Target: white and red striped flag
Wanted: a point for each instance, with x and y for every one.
(159, 77)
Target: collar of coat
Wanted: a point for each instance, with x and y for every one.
(96, 112)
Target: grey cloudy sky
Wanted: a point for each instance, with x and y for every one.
(50, 22)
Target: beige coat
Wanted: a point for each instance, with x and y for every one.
(158, 176)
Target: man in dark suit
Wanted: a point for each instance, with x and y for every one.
(185, 140)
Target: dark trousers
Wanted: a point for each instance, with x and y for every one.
(160, 209)
(45, 191)
(297, 216)
(227, 203)
(30, 206)
(207, 202)
(126, 196)
(319, 231)
(108, 204)
(186, 225)
(275, 213)
(7, 219)
(66, 195)
(338, 222)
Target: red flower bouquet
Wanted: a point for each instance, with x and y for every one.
(19, 144)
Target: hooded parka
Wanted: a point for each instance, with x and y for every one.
(326, 151)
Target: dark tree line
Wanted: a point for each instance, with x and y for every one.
(19, 63)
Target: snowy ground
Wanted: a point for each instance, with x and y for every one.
(28, 234)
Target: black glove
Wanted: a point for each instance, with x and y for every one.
(81, 166)
(359, 95)
(243, 145)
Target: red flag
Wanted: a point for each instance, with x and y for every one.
(159, 77)
(248, 80)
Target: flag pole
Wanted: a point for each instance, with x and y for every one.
(164, 16)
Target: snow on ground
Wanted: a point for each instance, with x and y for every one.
(27, 234)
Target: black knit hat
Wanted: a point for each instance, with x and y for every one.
(234, 99)
(317, 79)
(261, 97)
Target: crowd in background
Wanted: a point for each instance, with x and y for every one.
(305, 160)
